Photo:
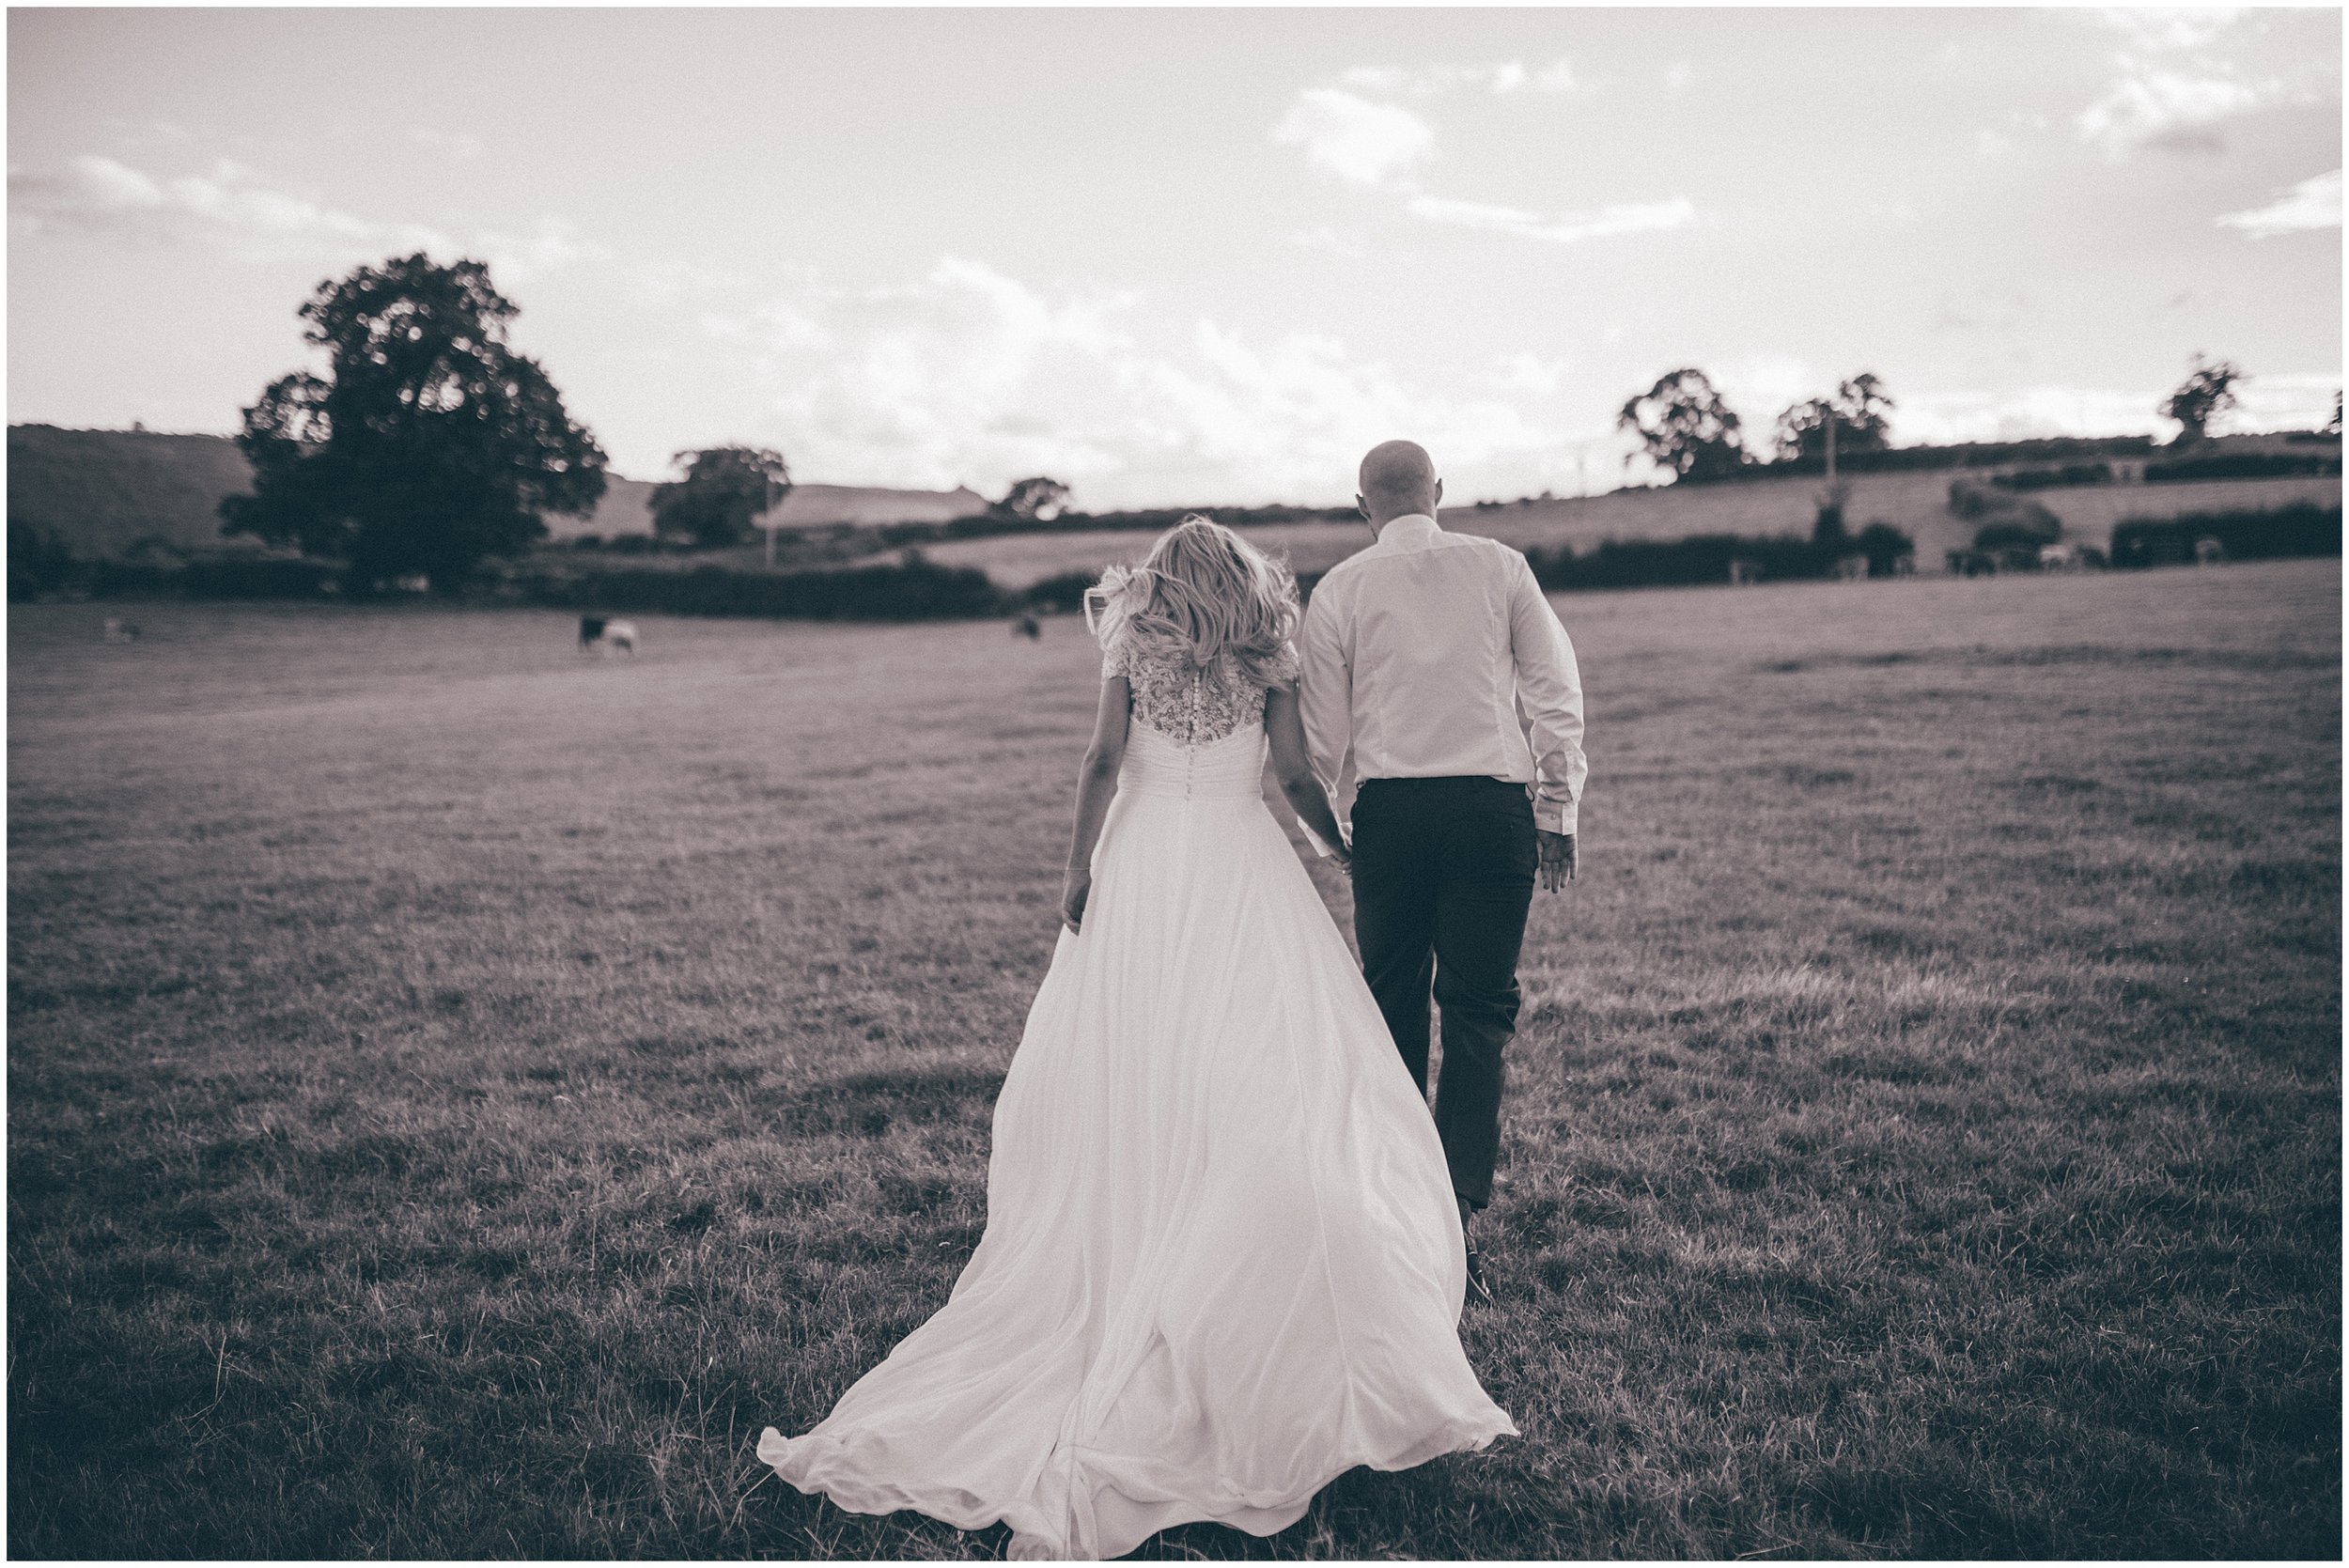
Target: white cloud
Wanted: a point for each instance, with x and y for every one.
(1625, 218)
(967, 376)
(2293, 400)
(1376, 145)
(2172, 90)
(1677, 76)
(519, 258)
(1940, 418)
(101, 196)
(231, 206)
(1761, 386)
(2299, 400)
(2155, 106)
(1509, 76)
(2312, 204)
(1529, 372)
(1366, 143)
(2168, 28)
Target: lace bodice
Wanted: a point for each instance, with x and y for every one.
(1189, 706)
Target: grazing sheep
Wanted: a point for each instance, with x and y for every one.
(119, 631)
(605, 635)
(1028, 627)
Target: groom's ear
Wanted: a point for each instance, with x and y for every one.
(1360, 506)
(1438, 492)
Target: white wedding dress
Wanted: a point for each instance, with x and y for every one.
(1222, 1261)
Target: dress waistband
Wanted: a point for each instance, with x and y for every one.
(1230, 768)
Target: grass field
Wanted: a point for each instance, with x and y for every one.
(460, 1091)
(1915, 503)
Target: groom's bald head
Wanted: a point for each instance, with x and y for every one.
(1398, 478)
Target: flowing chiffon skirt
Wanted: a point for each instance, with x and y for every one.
(1223, 1260)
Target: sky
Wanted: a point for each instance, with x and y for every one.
(1195, 257)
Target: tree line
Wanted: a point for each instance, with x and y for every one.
(1688, 430)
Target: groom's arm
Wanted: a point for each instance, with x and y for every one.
(1325, 701)
(1549, 690)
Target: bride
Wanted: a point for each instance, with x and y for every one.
(1222, 1261)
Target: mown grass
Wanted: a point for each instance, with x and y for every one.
(461, 1092)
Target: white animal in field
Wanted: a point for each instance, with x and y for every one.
(119, 631)
(607, 636)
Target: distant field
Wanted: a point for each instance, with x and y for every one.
(461, 1090)
(1915, 503)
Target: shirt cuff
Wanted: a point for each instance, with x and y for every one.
(1554, 816)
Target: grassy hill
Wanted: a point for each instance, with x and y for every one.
(108, 492)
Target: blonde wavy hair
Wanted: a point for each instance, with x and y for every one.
(1202, 594)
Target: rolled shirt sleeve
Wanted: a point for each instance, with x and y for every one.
(1325, 702)
(1549, 692)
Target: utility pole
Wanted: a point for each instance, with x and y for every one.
(769, 522)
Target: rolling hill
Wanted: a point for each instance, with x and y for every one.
(112, 494)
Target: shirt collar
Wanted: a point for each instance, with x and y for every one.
(1411, 531)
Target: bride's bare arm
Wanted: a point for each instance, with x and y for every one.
(1286, 729)
(1097, 786)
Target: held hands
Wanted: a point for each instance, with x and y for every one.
(1557, 858)
(1074, 891)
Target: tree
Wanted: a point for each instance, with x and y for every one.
(1685, 427)
(1861, 407)
(426, 446)
(1038, 499)
(2332, 426)
(724, 490)
(38, 561)
(1884, 545)
(2207, 391)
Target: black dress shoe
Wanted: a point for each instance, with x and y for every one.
(1478, 1289)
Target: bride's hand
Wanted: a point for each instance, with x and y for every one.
(1072, 898)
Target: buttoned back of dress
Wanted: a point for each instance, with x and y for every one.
(1189, 705)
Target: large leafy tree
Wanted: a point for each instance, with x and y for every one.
(1039, 499)
(1863, 412)
(2207, 391)
(426, 446)
(1685, 427)
(724, 488)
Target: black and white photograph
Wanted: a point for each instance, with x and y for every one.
(1061, 783)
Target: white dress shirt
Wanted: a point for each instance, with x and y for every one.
(1432, 655)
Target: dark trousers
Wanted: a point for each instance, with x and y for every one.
(1443, 874)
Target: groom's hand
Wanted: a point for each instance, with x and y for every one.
(1557, 853)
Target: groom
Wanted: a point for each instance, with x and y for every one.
(1443, 710)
